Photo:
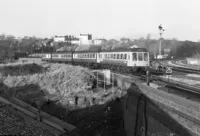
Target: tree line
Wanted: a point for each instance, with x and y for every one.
(178, 49)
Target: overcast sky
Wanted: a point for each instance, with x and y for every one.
(102, 18)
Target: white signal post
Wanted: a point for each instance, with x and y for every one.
(168, 72)
(161, 30)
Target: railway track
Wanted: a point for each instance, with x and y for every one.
(184, 119)
(181, 68)
(186, 70)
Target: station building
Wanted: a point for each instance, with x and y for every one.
(99, 41)
(85, 39)
(193, 61)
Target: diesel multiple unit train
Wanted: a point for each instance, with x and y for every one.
(134, 59)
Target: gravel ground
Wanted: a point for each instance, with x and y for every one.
(17, 123)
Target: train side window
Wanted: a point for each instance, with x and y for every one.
(112, 56)
(140, 56)
(134, 56)
(108, 56)
(125, 56)
(117, 56)
(145, 56)
(122, 56)
(93, 55)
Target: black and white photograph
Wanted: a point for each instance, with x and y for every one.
(100, 68)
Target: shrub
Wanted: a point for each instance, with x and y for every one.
(21, 70)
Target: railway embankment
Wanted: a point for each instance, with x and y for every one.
(174, 105)
(63, 91)
(69, 93)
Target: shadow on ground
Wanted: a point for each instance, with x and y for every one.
(131, 115)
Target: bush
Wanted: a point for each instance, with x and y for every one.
(21, 70)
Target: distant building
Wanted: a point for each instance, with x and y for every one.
(85, 39)
(193, 61)
(134, 46)
(99, 41)
(67, 39)
(75, 41)
(124, 40)
(59, 39)
(72, 39)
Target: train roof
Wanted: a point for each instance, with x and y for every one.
(128, 50)
(87, 51)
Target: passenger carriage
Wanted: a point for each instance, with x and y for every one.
(37, 55)
(58, 57)
(133, 58)
(85, 56)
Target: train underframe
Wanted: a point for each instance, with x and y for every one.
(112, 67)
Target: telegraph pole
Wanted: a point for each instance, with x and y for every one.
(161, 30)
(198, 59)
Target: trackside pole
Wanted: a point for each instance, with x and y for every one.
(104, 83)
(113, 83)
(148, 77)
(97, 79)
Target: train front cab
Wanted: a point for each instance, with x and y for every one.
(139, 60)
